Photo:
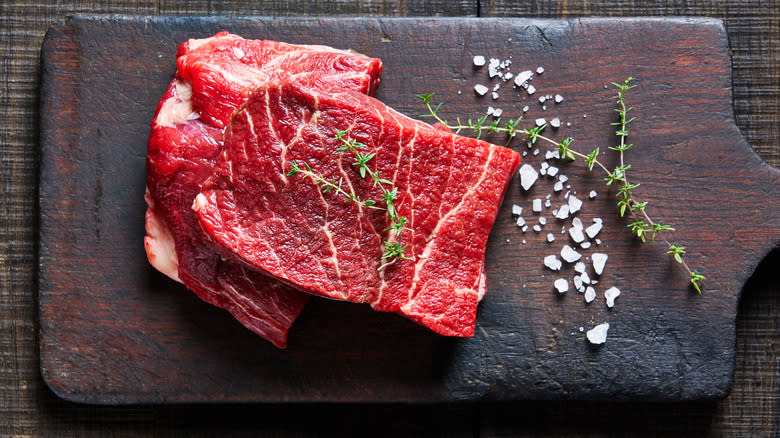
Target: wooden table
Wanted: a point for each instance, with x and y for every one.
(28, 408)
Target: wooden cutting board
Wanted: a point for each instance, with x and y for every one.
(113, 330)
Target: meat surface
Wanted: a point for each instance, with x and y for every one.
(449, 189)
(215, 76)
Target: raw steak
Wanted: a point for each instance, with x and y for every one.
(450, 188)
(183, 147)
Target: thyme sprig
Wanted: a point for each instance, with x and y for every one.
(394, 248)
(643, 226)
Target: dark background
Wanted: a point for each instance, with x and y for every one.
(28, 408)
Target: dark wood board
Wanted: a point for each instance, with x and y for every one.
(115, 331)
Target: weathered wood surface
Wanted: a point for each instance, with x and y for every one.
(28, 408)
(115, 331)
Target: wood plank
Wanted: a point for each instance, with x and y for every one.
(524, 349)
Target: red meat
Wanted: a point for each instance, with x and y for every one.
(215, 76)
(450, 188)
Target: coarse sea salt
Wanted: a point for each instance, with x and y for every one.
(576, 234)
(552, 171)
(480, 89)
(561, 285)
(558, 98)
(575, 204)
(540, 121)
(599, 260)
(550, 237)
(598, 335)
(563, 212)
(558, 186)
(542, 220)
(552, 262)
(520, 222)
(579, 267)
(537, 205)
(569, 254)
(592, 194)
(593, 230)
(531, 89)
(479, 61)
(528, 176)
(555, 123)
(517, 210)
(523, 77)
(590, 294)
(610, 295)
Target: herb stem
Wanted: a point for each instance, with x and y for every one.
(643, 224)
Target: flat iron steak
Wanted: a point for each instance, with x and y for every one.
(449, 189)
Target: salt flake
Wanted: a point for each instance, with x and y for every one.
(599, 261)
(610, 295)
(552, 262)
(569, 254)
(561, 285)
(528, 176)
(598, 334)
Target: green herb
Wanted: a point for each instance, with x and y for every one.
(642, 225)
(394, 249)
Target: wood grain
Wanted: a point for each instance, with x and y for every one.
(101, 304)
(27, 408)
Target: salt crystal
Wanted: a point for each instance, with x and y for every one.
(498, 112)
(563, 178)
(523, 241)
(563, 212)
(574, 204)
(598, 241)
(547, 203)
(536, 152)
(479, 61)
(577, 283)
(542, 220)
(579, 267)
(566, 196)
(610, 295)
(576, 223)
(558, 98)
(542, 99)
(585, 245)
(537, 228)
(593, 230)
(569, 254)
(525, 109)
(544, 107)
(576, 234)
(480, 89)
(531, 89)
(497, 86)
(537, 205)
(543, 171)
(590, 294)
(561, 285)
(558, 186)
(507, 76)
(582, 329)
(539, 70)
(523, 77)
(550, 237)
(552, 262)
(599, 261)
(494, 95)
(598, 334)
(540, 121)
(555, 123)
(516, 210)
(552, 171)
(544, 165)
(528, 176)
(520, 222)
(592, 194)
(585, 278)
(525, 228)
